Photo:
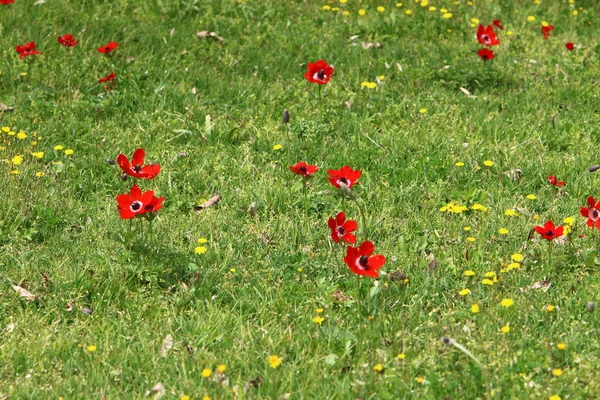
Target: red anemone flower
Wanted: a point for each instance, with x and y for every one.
(592, 212)
(546, 29)
(108, 78)
(486, 54)
(319, 72)
(554, 182)
(5, 2)
(108, 48)
(361, 262)
(345, 175)
(487, 36)
(498, 24)
(135, 203)
(67, 40)
(304, 169)
(136, 168)
(549, 231)
(342, 229)
(570, 46)
(28, 49)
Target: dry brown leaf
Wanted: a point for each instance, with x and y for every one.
(252, 209)
(544, 285)
(166, 346)
(433, 266)
(208, 203)
(252, 383)
(514, 174)
(340, 296)
(4, 107)
(158, 391)
(370, 45)
(209, 35)
(397, 276)
(24, 293)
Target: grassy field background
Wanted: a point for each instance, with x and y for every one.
(210, 114)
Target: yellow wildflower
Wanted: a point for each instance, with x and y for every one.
(531, 18)
(362, 11)
(206, 373)
(479, 207)
(274, 361)
(380, 9)
(91, 348)
(318, 320)
(511, 213)
(17, 160)
(423, 111)
(561, 346)
(401, 356)
(488, 282)
(200, 249)
(557, 372)
(460, 164)
(503, 231)
(531, 196)
(21, 135)
(550, 308)
(378, 368)
(408, 12)
(369, 85)
(68, 152)
(39, 154)
(505, 329)
(221, 368)
(447, 15)
(507, 302)
(517, 257)
(475, 308)
(464, 292)
(471, 239)
(469, 273)
(277, 147)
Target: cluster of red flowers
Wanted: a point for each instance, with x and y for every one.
(359, 259)
(137, 203)
(67, 40)
(487, 37)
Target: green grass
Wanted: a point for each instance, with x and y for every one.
(255, 291)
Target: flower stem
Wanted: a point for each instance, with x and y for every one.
(305, 197)
(362, 217)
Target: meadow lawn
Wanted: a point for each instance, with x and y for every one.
(250, 298)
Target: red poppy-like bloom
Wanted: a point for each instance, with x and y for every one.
(108, 48)
(549, 231)
(137, 203)
(67, 40)
(592, 212)
(361, 262)
(342, 229)
(5, 2)
(487, 36)
(304, 169)
(486, 54)
(108, 78)
(136, 168)
(546, 31)
(570, 46)
(554, 181)
(498, 24)
(28, 49)
(345, 175)
(319, 72)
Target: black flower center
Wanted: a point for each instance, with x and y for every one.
(149, 207)
(550, 233)
(303, 169)
(321, 74)
(344, 180)
(363, 261)
(594, 214)
(341, 231)
(137, 168)
(136, 206)
(485, 38)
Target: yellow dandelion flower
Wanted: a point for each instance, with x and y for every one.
(398, 4)
(206, 398)
(408, 12)
(474, 20)
(432, 8)
(550, 308)
(12, 133)
(202, 240)
(91, 348)
(300, 269)
(544, 23)
(420, 379)
(475, 308)
(471, 239)
(381, 77)
(378, 368)
(17, 160)
(575, 12)
(343, 1)
(21, 135)
(479, 207)
(509, 33)
(554, 397)
(557, 372)
(39, 154)
(447, 15)
(569, 221)
(517, 257)
(531, 196)
(59, 147)
(488, 282)
(443, 10)
(40, 174)
(469, 273)
(232, 270)
(206, 373)
(511, 213)
(221, 368)
(401, 356)
(561, 346)
(318, 320)
(488, 163)
(5, 129)
(200, 249)
(423, 111)
(184, 397)
(507, 302)
(464, 292)
(424, 3)
(277, 147)
(320, 310)
(490, 274)
(326, 8)
(370, 85)
(362, 11)
(467, 228)
(460, 164)
(274, 361)
(68, 152)
(15, 172)
(531, 18)
(503, 231)
(513, 266)
(380, 9)
(345, 13)
(505, 329)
